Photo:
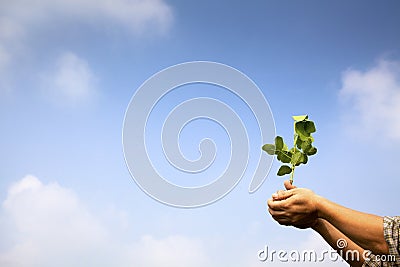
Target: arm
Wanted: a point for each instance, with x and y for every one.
(364, 229)
(302, 208)
(332, 235)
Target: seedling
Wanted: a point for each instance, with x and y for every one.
(301, 150)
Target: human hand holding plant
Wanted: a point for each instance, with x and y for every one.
(302, 208)
(296, 206)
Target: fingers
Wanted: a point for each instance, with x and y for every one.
(281, 219)
(278, 195)
(281, 195)
(277, 211)
(273, 205)
(288, 185)
(276, 205)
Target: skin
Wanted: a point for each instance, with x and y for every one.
(302, 208)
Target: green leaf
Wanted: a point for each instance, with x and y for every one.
(284, 169)
(285, 147)
(306, 145)
(296, 158)
(269, 148)
(300, 131)
(303, 159)
(312, 151)
(309, 127)
(284, 156)
(299, 143)
(279, 143)
(300, 117)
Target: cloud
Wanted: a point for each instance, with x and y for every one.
(50, 226)
(22, 20)
(71, 80)
(372, 100)
(4, 58)
(135, 15)
(10, 33)
(46, 225)
(4, 62)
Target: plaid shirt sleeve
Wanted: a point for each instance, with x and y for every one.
(391, 231)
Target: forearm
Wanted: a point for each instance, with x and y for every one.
(364, 229)
(351, 252)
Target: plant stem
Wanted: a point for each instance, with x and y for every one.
(295, 136)
(292, 174)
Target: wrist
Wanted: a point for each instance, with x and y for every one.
(320, 203)
(318, 225)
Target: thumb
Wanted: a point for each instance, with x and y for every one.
(288, 185)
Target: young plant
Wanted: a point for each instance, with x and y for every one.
(301, 150)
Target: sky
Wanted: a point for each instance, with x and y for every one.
(68, 70)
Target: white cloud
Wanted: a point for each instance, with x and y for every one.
(71, 80)
(20, 20)
(372, 99)
(50, 226)
(10, 34)
(4, 58)
(46, 225)
(4, 62)
(136, 15)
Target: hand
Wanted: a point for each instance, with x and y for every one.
(296, 207)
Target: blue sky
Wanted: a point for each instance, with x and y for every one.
(68, 70)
